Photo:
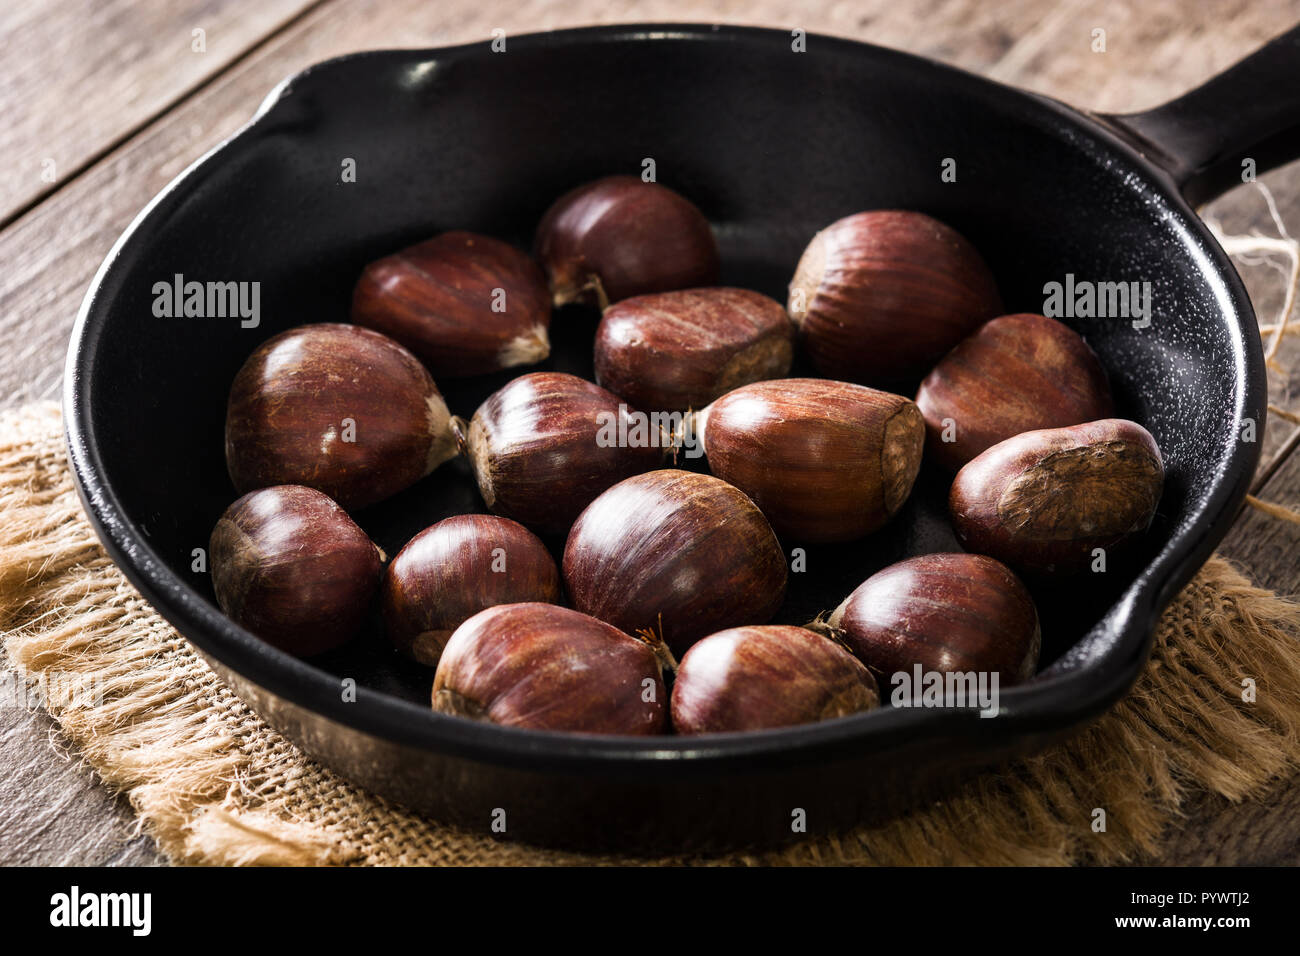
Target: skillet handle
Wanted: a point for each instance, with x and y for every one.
(1202, 138)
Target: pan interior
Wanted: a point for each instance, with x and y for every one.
(771, 144)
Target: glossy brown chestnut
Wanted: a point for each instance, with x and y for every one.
(1044, 500)
(289, 565)
(677, 350)
(452, 570)
(544, 667)
(946, 612)
(879, 297)
(618, 237)
(1017, 373)
(547, 443)
(753, 678)
(825, 461)
(675, 552)
(465, 304)
(338, 408)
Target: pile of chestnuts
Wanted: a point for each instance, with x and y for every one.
(610, 588)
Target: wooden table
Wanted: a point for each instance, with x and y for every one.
(107, 100)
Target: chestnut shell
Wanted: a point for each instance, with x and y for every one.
(289, 565)
(754, 678)
(679, 553)
(825, 461)
(618, 237)
(536, 448)
(678, 350)
(544, 667)
(439, 298)
(452, 570)
(1015, 374)
(880, 296)
(285, 420)
(946, 612)
(1042, 501)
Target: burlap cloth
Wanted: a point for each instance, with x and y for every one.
(214, 784)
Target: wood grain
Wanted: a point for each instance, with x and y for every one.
(1153, 50)
(80, 75)
(53, 810)
(1240, 214)
(1268, 548)
(113, 87)
(52, 253)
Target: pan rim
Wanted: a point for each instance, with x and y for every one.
(1053, 702)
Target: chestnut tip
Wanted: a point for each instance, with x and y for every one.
(460, 432)
(447, 701)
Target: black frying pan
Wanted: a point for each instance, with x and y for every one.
(772, 145)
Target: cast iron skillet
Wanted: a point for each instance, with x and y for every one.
(773, 145)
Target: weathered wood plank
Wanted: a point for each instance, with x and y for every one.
(1268, 547)
(51, 253)
(53, 810)
(81, 75)
(1245, 212)
(1153, 50)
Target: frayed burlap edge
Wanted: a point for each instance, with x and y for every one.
(214, 784)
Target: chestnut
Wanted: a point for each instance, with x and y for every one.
(823, 460)
(452, 570)
(754, 678)
(547, 443)
(544, 667)
(946, 612)
(1015, 374)
(679, 553)
(289, 565)
(465, 304)
(620, 236)
(677, 350)
(879, 297)
(1044, 500)
(339, 408)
